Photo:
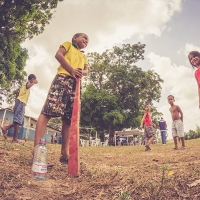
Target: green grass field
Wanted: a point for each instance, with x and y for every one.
(126, 172)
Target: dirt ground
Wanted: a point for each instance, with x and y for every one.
(107, 173)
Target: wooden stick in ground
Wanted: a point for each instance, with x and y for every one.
(73, 163)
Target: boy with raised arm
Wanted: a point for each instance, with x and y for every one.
(19, 108)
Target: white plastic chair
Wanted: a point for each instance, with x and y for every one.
(82, 142)
(105, 143)
(87, 143)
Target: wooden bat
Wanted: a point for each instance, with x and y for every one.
(73, 163)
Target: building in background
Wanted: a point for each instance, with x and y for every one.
(27, 131)
(1, 101)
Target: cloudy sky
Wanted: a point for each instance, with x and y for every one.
(169, 28)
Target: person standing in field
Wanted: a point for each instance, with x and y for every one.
(51, 139)
(162, 126)
(117, 140)
(177, 122)
(55, 139)
(19, 108)
(149, 131)
(60, 99)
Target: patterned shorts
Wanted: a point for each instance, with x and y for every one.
(177, 128)
(149, 132)
(60, 99)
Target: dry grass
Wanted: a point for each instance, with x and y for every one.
(120, 173)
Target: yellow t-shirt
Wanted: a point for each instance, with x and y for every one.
(74, 58)
(24, 94)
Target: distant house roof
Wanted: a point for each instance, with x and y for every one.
(9, 109)
(129, 132)
(56, 127)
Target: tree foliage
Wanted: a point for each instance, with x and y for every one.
(193, 134)
(22, 19)
(19, 20)
(12, 61)
(98, 107)
(118, 89)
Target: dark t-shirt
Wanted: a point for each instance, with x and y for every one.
(162, 124)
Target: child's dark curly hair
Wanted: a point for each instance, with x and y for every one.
(170, 96)
(31, 76)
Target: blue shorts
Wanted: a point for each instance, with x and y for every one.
(19, 111)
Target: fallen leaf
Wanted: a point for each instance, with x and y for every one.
(64, 185)
(25, 198)
(170, 173)
(108, 156)
(195, 183)
(155, 160)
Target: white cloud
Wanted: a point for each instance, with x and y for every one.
(107, 23)
(190, 47)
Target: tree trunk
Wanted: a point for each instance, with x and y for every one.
(102, 136)
(111, 135)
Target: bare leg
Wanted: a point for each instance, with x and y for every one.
(175, 143)
(5, 128)
(183, 141)
(149, 141)
(41, 128)
(65, 138)
(16, 129)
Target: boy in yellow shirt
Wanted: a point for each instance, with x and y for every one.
(19, 108)
(59, 102)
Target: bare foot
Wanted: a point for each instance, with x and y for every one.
(64, 159)
(183, 147)
(4, 131)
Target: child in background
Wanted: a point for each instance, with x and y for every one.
(117, 140)
(194, 58)
(149, 131)
(19, 108)
(60, 99)
(55, 139)
(177, 123)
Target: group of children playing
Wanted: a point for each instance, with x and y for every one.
(60, 98)
(177, 125)
(175, 110)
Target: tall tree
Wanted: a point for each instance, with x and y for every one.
(125, 87)
(22, 19)
(19, 20)
(12, 61)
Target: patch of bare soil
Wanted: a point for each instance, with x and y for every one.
(107, 173)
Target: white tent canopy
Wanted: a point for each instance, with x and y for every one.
(129, 132)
